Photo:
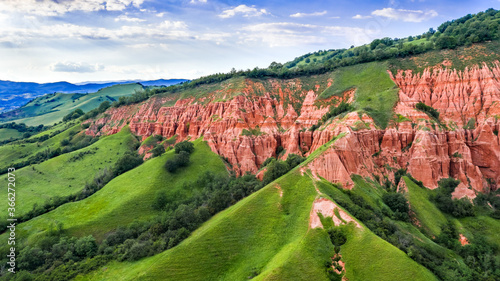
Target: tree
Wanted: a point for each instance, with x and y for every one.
(293, 160)
(158, 150)
(73, 115)
(86, 247)
(446, 42)
(160, 200)
(179, 160)
(184, 146)
(128, 161)
(275, 169)
(398, 204)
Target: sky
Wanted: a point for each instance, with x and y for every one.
(110, 40)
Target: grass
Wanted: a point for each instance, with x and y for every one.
(126, 198)
(56, 177)
(15, 152)
(6, 134)
(231, 87)
(50, 109)
(427, 214)
(263, 234)
(266, 237)
(482, 225)
(376, 93)
(369, 257)
(460, 58)
(372, 194)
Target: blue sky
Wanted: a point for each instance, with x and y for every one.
(98, 40)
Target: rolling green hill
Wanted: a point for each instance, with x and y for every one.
(51, 108)
(111, 206)
(267, 237)
(57, 177)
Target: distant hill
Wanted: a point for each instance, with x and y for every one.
(16, 94)
(51, 108)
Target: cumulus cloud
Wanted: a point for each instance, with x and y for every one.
(166, 29)
(79, 67)
(54, 8)
(128, 19)
(405, 15)
(294, 34)
(360, 17)
(315, 14)
(243, 10)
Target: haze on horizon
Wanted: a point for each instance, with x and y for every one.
(98, 40)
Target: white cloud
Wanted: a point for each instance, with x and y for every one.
(294, 34)
(80, 67)
(54, 8)
(166, 29)
(360, 17)
(128, 19)
(198, 1)
(405, 15)
(244, 10)
(315, 14)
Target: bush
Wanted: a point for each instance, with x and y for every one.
(442, 198)
(429, 110)
(65, 142)
(160, 200)
(86, 247)
(334, 111)
(275, 169)
(293, 160)
(184, 146)
(398, 204)
(73, 115)
(179, 160)
(128, 161)
(268, 160)
(158, 150)
(337, 235)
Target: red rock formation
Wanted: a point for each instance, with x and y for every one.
(249, 127)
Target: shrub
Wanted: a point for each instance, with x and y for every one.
(471, 124)
(128, 161)
(398, 204)
(160, 200)
(179, 160)
(64, 142)
(73, 115)
(293, 160)
(442, 198)
(429, 110)
(337, 236)
(275, 169)
(86, 247)
(184, 146)
(337, 110)
(158, 150)
(268, 160)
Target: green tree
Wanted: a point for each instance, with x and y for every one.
(184, 146)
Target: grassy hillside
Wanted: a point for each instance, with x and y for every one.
(267, 237)
(428, 215)
(19, 151)
(6, 134)
(375, 93)
(56, 177)
(126, 198)
(50, 109)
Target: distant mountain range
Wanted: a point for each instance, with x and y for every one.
(16, 94)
